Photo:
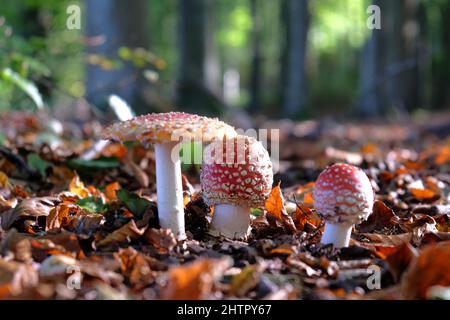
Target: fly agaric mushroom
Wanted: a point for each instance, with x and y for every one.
(165, 131)
(343, 195)
(236, 176)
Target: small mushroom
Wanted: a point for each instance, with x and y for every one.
(236, 176)
(343, 195)
(165, 131)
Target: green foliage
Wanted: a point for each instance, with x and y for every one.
(89, 165)
(37, 163)
(26, 86)
(92, 204)
(133, 202)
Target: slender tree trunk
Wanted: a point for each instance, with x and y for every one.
(212, 67)
(295, 13)
(440, 62)
(112, 24)
(390, 75)
(255, 80)
(191, 92)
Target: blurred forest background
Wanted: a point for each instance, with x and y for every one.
(293, 59)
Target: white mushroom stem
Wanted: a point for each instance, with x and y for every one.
(230, 221)
(337, 234)
(169, 189)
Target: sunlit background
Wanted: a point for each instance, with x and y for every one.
(280, 58)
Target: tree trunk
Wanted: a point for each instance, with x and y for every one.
(114, 24)
(255, 79)
(440, 62)
(191, 92)
(295, 13)
(390, 75)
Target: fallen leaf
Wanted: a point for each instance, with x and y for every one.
(275, 202)
(138, 268)
(275, 206)
(110, 190)
(395, 239)
(245, 281)
(126, 233)
(400, 259)
(382, 216)
(424, 194)
(429, 269)
(77, 187)
(195, 280)
(29, 208)
(15, 278)
(304, 215)
(162, 239)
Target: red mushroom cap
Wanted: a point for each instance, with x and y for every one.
(236, 171)
(343, 193)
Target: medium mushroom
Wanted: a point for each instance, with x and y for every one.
(165, 131)
(343, 195)
(236, 176)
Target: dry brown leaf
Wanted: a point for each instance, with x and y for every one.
(61, 215)
(15, 278)
(275, 206)
(297, 263)
(86, 222)
(162, 239)
(195, 280)
(400, 259)
(126, 233)
(32, 208)
(138, 268)
(304, 215)
(110, 190)
(140, 175)
(382, 216)
(392, 240)
(431, 268)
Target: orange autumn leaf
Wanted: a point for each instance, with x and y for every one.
(308, 199)
(60, 216)
(4, 181)
(116, 150)
(275, 206)
(283, 249)
(429, 269)
(77, 187)
(423, 194)
(275, 202)
(303, 215)
(414, 165)
(369, 148)
(195, 280)
(443, 156)
(110, 190)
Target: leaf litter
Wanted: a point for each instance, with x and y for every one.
(99, 217)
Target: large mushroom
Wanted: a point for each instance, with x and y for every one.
(165, 131)
(343, 195)
(236, 176)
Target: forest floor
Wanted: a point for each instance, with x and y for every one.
(88, 229)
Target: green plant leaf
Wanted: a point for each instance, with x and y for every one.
(27, 86)
(37, 163)
(133, 202)
(98, 164)
(92, 204)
